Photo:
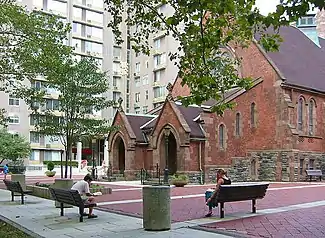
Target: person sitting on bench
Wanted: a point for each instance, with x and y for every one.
(82, 187)
(222, 179)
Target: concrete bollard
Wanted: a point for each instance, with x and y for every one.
(156, 208)
(64, 184)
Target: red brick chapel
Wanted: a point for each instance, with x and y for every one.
(275, 131)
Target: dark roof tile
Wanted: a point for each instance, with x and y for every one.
(136, 121)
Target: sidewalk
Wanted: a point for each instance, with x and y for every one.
(39, 218)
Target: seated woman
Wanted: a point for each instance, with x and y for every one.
(222, 179)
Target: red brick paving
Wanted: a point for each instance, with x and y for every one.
(309, 223)
(194, 208)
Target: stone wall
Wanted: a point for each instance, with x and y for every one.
(281, 166)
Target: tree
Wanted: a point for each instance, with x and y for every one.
(13, 147)
(202, 28)
(80, 85)
(31, 43)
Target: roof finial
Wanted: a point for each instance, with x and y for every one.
(120, 101)
(170, 90)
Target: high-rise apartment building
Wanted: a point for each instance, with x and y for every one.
(90, 37)
(151, 74)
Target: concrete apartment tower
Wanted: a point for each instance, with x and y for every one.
(151, 74)
(91, 37)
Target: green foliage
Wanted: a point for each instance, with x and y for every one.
(179, 177)
(58, 163)
(50, 173)
(205, 30)
(8, 231)
(13, 147)
(50, 166)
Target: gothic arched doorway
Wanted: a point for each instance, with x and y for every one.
(168, 153)
(120, 147)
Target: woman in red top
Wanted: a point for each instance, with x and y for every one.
(222, 179)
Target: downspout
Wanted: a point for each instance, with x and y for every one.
(200, 162)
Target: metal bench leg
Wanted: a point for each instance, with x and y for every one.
(254, 206)
(12, 196)
(222, 210)
(22, 198)
(81, 213)
(62, 208)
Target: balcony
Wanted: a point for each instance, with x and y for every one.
(116, 58)
(159, 99)
(117, 73)
(117, 88)
(87, 37)
(160, 67)
(159, 34)
(88, 22)
(89, 6)
(156, 84)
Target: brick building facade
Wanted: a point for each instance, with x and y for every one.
(275, 131)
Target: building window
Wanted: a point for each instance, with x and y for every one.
(137, 81)
(52, 104)
(222, 136)
(237, 124)
(147, 64)
(13, 101)
(253, 115)
(253, 167)
(137, 110)
(137, 67)
(137, 97)
(127, 101)
(311, 109)
(159, 92)
(147, 94)
(311, 164)
(145, 80)
(127, 86)
(301, 166)
(159, 59)
(145, 109)
(14, 119)
(157, 44)
(34, 137)
(300, 113)
(34, 155)
(116, 96)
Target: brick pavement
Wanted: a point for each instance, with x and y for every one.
(302, 223)
(185, 209)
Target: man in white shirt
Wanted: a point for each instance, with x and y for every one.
(82, 187)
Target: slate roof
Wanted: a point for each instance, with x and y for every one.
(136, 121)
(322, 43)
(300, 60)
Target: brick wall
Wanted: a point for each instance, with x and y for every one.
(320, 23)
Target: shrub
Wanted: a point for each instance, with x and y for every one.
(58, 163)
(50, 166)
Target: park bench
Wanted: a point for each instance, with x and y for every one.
(71, 197)
(314, 173)
(240, 192)
(15, 187)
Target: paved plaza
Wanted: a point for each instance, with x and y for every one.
(288, 210)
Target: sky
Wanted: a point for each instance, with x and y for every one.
(266, 6)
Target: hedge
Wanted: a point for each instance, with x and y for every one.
(58, 163)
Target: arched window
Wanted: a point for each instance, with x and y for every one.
(300, 113)
(311, 108)
(253, 115)
(237, 124)
(253, 167)
(222, 136)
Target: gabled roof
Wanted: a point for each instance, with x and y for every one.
(136, 121)
(300, 60)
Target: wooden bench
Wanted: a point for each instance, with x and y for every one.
(314, 172)
(15, 187)
(71, 197)
(240, 192)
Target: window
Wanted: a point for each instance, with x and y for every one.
(91, 47)
(311, 164)
(159, 92)
(147, 64)
(311, 107)
(253, 115)
(127, 86)
(116, 68)
(76, 28)
(34, 137)
(137, 81)
(137, 97)
(13, 101)
(222, 136)
(77, 13)
(117, 52)
(57, 7)
(145, 109)
(34, 155)
(38, 3)
(14, 119)
(51, 156)
(137, 110)
(157, 44)
(237, 129)
(137, 54)
(253, 167)
(159, 59)
(147, 94)
(116, 82)
(33, 119)
(52, 104)
(127, 101)
(300, 113)
(157, 76)
(145, 80)
(94, 17)
(116, 96)
(137, 67)
(301, 166)
(94, 32)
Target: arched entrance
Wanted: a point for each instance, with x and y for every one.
(172, 154)
(168, 153)
(120, 147)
